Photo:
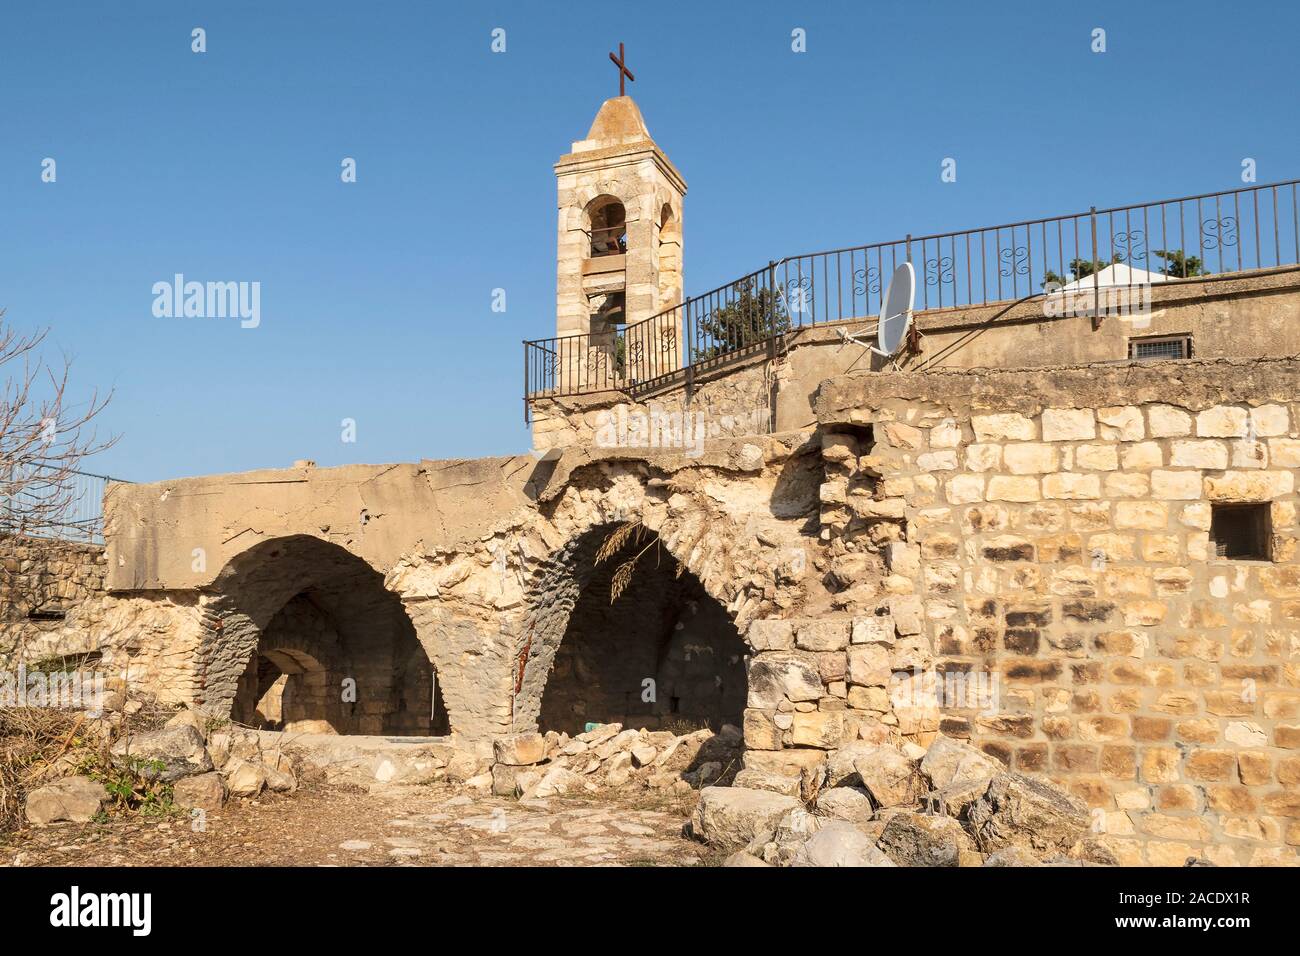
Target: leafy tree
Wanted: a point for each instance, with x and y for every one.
(1179, 264)
(754, 314)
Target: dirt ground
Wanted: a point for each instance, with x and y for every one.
(401, 826)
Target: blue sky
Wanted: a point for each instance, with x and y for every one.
(376, 296)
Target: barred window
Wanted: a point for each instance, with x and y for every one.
(1160, 347)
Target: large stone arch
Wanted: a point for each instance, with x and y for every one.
(650, 648)
(732, 544)
(310, 599)
(485, 608)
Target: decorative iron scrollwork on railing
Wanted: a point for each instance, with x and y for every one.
(866, 281)
(1130, 240)
(799, 295)
(1219, 232)
(1014, 259)
(938, 270)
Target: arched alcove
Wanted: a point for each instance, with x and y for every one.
(606, 226)
(302, 635)
(628, 636)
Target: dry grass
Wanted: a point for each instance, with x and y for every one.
(40, 744)
(630, 532)
(617, 538)
(34, 741)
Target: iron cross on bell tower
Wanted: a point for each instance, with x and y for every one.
(623, 71)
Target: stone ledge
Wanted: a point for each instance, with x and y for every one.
(1197, 384)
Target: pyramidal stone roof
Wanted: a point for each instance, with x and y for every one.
(618, 130)
(619, 121)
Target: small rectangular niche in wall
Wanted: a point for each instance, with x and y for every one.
(1153, 348)
(1241, 532)
(46, 614)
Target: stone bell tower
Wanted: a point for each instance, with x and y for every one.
(619, 249)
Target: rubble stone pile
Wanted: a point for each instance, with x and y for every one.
(873, 804)
(535, 766)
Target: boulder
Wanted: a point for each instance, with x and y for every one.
(950, 761)
(76, 799)
(555, 781)
(219, 744)
(504, 777)
(839, 843)
(279, 781)
(887, 775)
(918, 839)
(1095, 850)
(618, 769)
(703, 775)
(734, 816)
(741, 858)
(792, 832)
(796, 826)
(244, 778)
(1017, 810)
(520, 750)
(526, 779)
(167, 754)
(759, 780)
(840, 771)
(790, 762)
(599, 734)
(1012, 856)
(189, 718)
(845, 803)
(203, 791)
(958, 775)
(622, 741)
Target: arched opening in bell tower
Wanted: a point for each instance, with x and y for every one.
(607, 227)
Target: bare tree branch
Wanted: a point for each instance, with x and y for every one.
(44, 438)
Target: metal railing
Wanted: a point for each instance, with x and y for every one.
(1240, 230)
(69, 505)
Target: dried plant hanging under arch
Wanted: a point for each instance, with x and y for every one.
(630, 532)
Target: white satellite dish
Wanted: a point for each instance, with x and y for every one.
(896, 311)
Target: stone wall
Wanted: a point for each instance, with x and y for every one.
(1054, 529)
(1235, 315)
(48, 594)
